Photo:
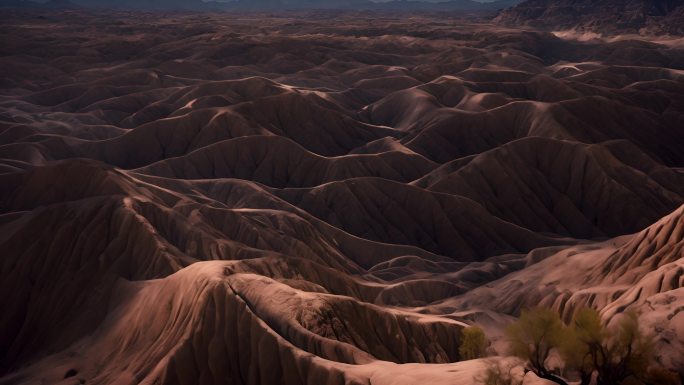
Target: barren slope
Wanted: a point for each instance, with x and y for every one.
(323, 197)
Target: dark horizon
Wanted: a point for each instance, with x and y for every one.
(448, 5)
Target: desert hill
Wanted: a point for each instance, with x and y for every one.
(311, 197)
(605, 16)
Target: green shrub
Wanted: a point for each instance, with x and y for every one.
(498, 373)
(619, 355)
(615, 354)
(534, 337)
(474, 343)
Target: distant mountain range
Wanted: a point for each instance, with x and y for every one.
(464, 5)
(604, 16)
(153, 4)
(468, 5)
(608, 16)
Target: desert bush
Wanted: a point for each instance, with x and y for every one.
(498, 373)
(627, 352)
(617, 355)
(474, 343)
(534, 337)
(580, 343)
